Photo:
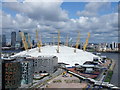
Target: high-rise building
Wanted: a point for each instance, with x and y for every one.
(19, 39)
(11, 74)
(13, 39)
(3, 40)
(26, 37)
(27, 69)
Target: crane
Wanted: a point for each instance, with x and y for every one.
(38, 42)
(77, 42)
(58, 41)
(29, 41)
(24, 41)
(86, 43)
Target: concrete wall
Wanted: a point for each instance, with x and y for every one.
(46, 64)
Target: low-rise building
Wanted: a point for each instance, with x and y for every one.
(45, 64)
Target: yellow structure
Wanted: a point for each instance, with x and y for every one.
(86, 43)
(38, 42)
(77, 42)
(24, 41)
(29, 41)
(41, 39)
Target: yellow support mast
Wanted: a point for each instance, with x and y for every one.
(24, 41)
(29, 41)
(38, 42)
(58, 41)
(77, 42)
(86, 43)
(41, 40)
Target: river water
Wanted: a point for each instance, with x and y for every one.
(116, 73)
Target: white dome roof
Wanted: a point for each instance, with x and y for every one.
(66, 54)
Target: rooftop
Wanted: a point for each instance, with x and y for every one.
(66, 54)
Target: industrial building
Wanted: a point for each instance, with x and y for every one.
(11, 73)
(45, 64)
(87, 68)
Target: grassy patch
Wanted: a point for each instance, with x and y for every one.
(109, 76)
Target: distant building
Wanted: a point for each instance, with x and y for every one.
(3, 40)
(119, 47)
(11, 74)
(13, 39)
(19, 39)
(17, 45)
(26, 37)
(0, 65)
(114, 45)
(45, 64)
(33, 42)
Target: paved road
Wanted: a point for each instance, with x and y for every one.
(43, 81)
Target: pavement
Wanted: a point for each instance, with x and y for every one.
(43, 81)
(65, 82)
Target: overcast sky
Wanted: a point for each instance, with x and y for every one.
(98, 18)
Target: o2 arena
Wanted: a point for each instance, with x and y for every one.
(66, 54)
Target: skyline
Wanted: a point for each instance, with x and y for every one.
(98, 18)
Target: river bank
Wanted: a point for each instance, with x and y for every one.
(116, 72)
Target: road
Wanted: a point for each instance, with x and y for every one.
(43, 81)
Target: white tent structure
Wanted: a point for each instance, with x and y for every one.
(66, 54)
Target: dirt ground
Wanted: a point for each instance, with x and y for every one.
(66, 82)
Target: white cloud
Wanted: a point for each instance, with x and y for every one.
(49, 17)
(92, 8)
(40, 10)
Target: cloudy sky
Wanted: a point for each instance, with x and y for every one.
(98, 18)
